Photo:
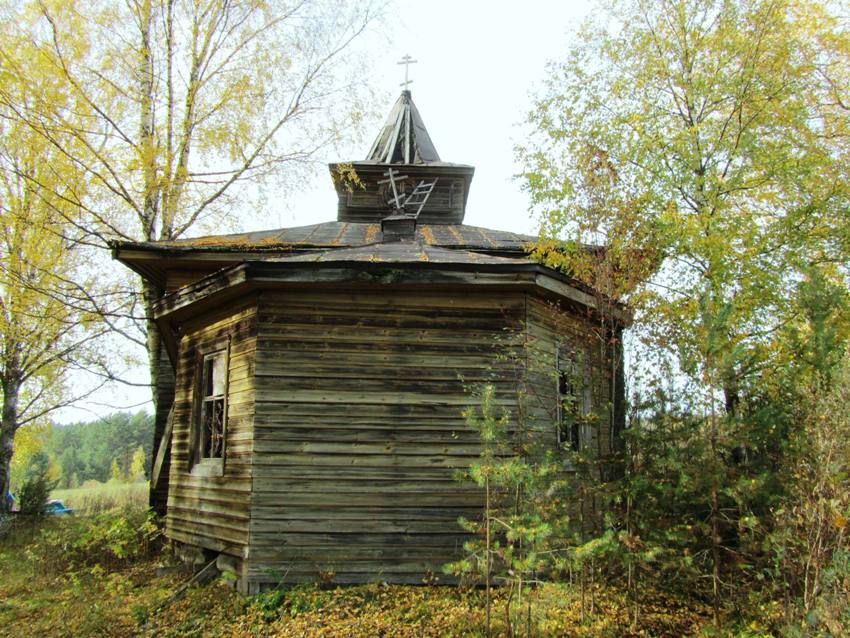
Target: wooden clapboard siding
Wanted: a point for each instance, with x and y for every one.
(549, 325)
(444, 205)
(345, 427)
(213, 512)
(177, 278)
(367, 201)
(358, 429)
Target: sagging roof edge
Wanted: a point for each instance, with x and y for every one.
(383, 273)
(134, 255)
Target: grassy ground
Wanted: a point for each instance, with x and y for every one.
(102, 576)
(103, 497)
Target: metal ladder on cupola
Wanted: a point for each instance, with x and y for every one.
(418, 196)
(416, 199)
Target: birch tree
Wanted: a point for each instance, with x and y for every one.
(49, 315)
(183, 107)
(712, 137)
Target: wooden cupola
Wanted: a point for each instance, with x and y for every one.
(403, 145)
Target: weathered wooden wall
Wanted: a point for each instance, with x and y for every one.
(367, 200)
(183, 277)
(445, 205)
(212, 512)
(358, 429)
(345, 425)
(549, 325)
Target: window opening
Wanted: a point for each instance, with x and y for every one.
(570, 399)
(214, 376)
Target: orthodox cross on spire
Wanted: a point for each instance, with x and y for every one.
(406, 61)
(394, 180)
(404, 139)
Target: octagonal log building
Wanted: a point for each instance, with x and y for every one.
(312, 383)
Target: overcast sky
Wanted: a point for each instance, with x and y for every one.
(478, 63)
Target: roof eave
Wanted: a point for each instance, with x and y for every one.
(232, 282)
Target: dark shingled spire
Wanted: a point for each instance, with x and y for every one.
(404, 138)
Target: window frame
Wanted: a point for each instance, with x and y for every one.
(198, 463)
(570, 368)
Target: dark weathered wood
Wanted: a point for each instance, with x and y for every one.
(446, 204)
(213, 511)
(345, 427)
(180, 277)
(161, 450)
(158, 496)
(548, 326)
(480, 275)
(359, 428)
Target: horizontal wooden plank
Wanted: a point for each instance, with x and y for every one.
(360, 525)
(382, 449)
(329, 396)
(368, 319)
(454, 391)
(412, 574)
(387, 554)
(436, 370)
(401, 413)
(308, 354)
(364, 472)
(273, 490)
(411, 515)
(209, 536)
(266, 463)
(281, 301)
(447, 537)
(277, 490)
(385, 433)
(417, 500)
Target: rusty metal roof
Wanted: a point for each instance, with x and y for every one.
(342, 235)
(400, 252)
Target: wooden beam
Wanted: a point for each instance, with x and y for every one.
(163, 446)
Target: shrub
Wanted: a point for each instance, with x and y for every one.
(6, 524)
(35, 490)
(809, 541)
(293, 601)
(106, 541)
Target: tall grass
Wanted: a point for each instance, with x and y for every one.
(96, 498)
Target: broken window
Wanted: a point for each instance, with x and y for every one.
(211, 417)
(573, 397)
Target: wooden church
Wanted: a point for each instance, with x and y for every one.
(309, 417)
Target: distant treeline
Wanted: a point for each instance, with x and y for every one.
(111, 447)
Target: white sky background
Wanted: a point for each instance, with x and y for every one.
(478, 63)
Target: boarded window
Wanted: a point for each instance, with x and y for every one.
(212, 408)
(573, 396)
